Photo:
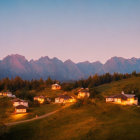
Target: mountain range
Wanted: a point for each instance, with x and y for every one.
(17, 65)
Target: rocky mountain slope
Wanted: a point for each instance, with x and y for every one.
(17, 65)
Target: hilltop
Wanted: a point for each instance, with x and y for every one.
(96, 120)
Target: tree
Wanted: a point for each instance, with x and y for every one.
(93, 92)
(49, 81)
(134, 73)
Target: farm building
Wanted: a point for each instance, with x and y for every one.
(82, 93)
(7, 94)
(20, 109)
(40, 99)
(17, 102)
(56, 87)
(64, 99)
(124, 99)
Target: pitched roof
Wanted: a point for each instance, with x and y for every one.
(55, 85)
(21, 107)
(130, 95)
(18, 100)
(122, 96)
(65, 97)
(39, 97)
(83, 90)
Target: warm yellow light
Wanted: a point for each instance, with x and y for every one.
(72, 100)
(18, 116)
(41, 101)
(123, 103)
(131, 101)
(80, 95)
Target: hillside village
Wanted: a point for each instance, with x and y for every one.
(69, 69)
(22, 106)
(54, 98)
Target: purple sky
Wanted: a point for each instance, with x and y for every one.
(79, 30)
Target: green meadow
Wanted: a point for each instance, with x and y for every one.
(94, 120)
(7, 110)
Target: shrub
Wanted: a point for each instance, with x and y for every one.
(34, 104)
(78, 104)
(93, 93)
(5, 102)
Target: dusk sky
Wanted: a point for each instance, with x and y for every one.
(79, 30)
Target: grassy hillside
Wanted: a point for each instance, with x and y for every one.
(94, 121)
(126, 85)
(50, 93)
(54, 93)
(7, 110)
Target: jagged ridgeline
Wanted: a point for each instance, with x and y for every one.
(17, 65)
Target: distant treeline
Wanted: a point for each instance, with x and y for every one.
(97, 80)
(17, 83)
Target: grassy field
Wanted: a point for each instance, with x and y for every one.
(6, 108)
(43, 109)
(50, 93)
(98, 121)
(54, 93)
(7, 111)
(117, 87)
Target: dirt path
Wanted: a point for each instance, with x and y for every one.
(38, 118)
(29, 120)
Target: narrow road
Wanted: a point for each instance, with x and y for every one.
(29, 120)
(38, 118)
